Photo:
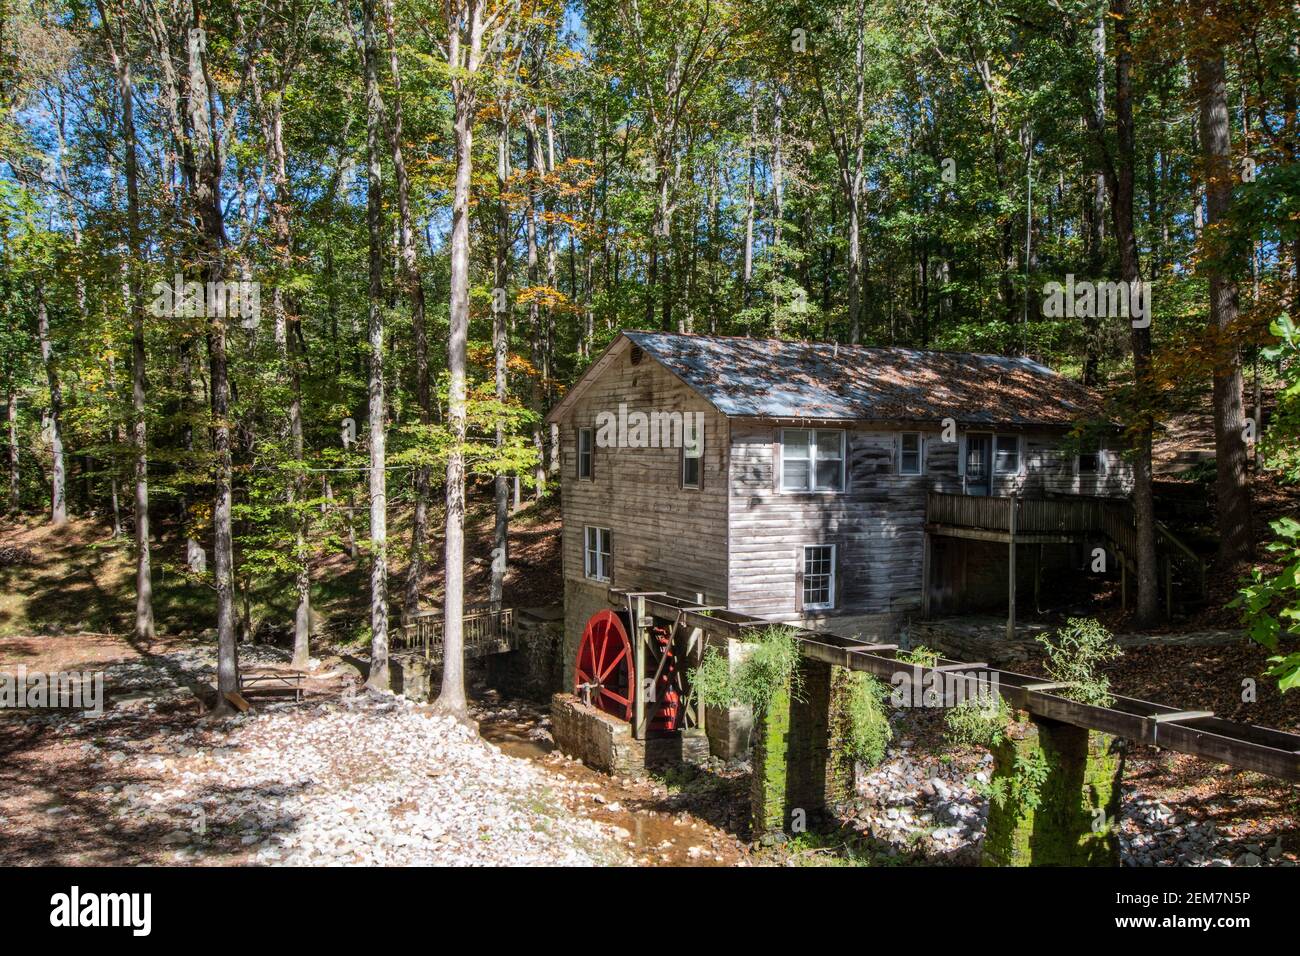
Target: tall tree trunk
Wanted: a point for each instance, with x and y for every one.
(288, 339)
(1140, 338)
(15, 484)
(1095, 209)
(500, 353)
(1235, 543)
(144, 622)
(54, 417)
(464, 48)
(751, 189)
(413, 286)
(379, 676)
(211, 224)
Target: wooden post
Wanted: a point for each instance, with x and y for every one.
(638, 637)
(1011, 569)
(1038, 577)
(925, 575)
(1169, 585)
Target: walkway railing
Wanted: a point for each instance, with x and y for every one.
(485, 632)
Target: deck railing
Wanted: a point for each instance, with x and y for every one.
(485, 632)
(1033, 515)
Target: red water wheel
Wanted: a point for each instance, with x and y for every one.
(603, 675)
(665, 713)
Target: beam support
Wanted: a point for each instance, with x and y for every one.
(1011, 568)
(1055, 797)
(801, 770)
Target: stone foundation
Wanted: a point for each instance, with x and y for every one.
(410, 675)
(1056, 797)
(535, 670)
(800, 770)
(606, 743)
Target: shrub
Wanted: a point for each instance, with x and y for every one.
(978, 722)
(769, 666)
(1073, 656)
(868, 731)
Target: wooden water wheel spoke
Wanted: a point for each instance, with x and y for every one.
(614, 696)
(605, 673)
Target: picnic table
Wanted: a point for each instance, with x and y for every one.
(265, 678)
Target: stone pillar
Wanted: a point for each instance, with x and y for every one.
(799, 769)
(729, 729)
(1056, 790)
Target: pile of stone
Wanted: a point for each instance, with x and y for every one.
(1153, 834)
(915, 804)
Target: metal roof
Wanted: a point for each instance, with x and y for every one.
(772, 378)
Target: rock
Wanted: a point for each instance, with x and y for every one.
(1248, 859)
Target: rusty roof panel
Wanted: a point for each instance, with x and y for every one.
(771, 378)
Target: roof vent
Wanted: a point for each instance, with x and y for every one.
(636, 355)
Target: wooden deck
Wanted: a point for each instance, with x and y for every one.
(1031, 520)
(486, 632)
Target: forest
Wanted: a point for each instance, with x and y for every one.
(290, 284)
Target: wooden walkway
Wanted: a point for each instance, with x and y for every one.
(485, 632)
(1200, 733)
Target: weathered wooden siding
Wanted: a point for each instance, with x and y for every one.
(665, 538)
(877, 524)
(1049, 468)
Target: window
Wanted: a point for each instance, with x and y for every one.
(1089, 461)
(812, 459)
(1006, 455)
(818, 576)
(585, 444)
(909, 453)
(598, 554)
(692, 463)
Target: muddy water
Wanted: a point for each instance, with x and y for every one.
(655, 832)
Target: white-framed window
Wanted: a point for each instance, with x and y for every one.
(586, 452)
(693, 463)
(818, 576)
(598, 553)
(812, 459)
(909, 453)
(1089, 461)
(1006, 455)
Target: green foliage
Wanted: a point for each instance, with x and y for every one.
(768, 666)
(1280, 444)
(978, 722)
(868, 731)
(1269, 600)
(920, 655)
(1073, 656)
(1023, 786)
